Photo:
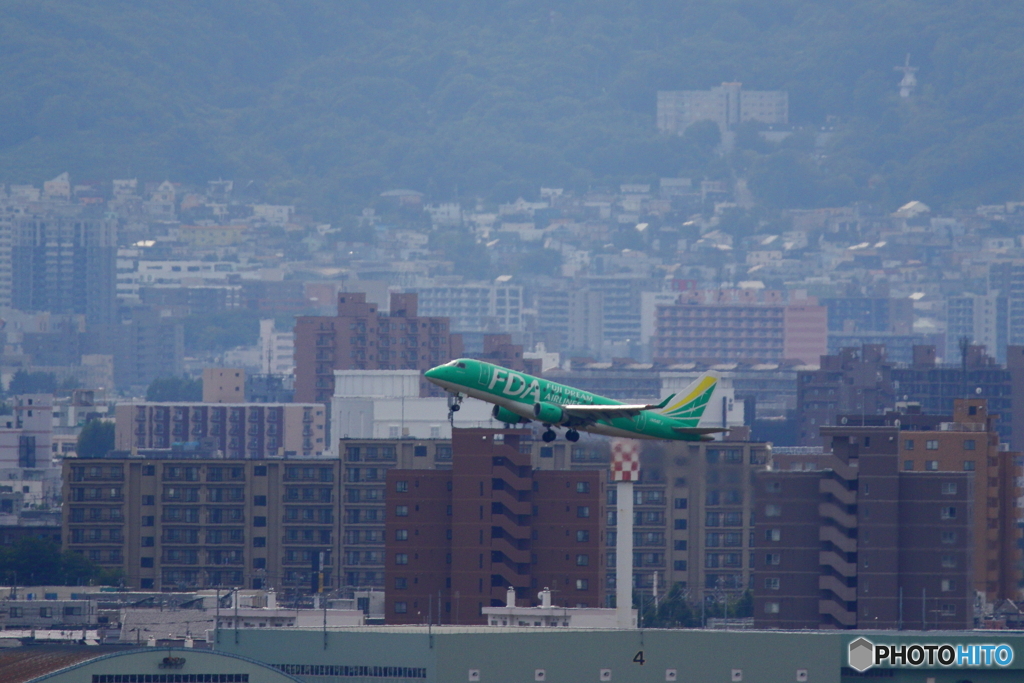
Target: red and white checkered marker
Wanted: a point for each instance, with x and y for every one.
(625, 460)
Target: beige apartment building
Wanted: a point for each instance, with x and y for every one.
(241, 430)
(177, 522)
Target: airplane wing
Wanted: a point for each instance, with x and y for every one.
(606, 412)
(699, 430)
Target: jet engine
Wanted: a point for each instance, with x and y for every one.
(548, 413)
(507, 416)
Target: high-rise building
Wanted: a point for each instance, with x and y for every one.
(854, 381)
(457, 540)
(252, 431)
(361, 338)
(65, 263)
(955, 513)
(494, 307)
(862, 543)
(981, 318)
(738, 324)
(147, 346)
(178, 522)
(572, 319)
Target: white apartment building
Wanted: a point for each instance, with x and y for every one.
(475, 308)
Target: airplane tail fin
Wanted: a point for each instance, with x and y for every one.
(688, 405)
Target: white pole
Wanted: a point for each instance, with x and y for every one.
(624, 555)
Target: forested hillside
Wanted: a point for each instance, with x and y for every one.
(327, 103)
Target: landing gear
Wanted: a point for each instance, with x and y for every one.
(548, 436)
(454, 401)
(572, 435)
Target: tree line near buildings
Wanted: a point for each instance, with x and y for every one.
(327, 104)
(40, 562)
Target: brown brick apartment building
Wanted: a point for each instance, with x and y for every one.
(456, 540)
(180, 522)
(970, 443)
(864, 544)
(359, 337)
(739, 324)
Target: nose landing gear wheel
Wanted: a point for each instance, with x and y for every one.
(572, 435)
(548, 436)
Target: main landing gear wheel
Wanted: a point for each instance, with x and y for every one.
(548, 436)
(453, 406)
(572, 435)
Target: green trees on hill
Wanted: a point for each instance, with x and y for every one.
(329, 103)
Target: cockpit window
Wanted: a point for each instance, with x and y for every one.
(461, 365)
(452, 363)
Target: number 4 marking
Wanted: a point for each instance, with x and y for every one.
(639, 658)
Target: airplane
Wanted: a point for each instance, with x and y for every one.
(519, 398)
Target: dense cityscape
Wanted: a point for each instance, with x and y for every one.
(222, 452)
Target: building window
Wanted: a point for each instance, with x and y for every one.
(401, 583)
(949, 561)
(680, 524)
(773, 486)
(949, 537)
(969, 444)
(259, 541)
(583, 536)
(948, 609)
(968, 465)
(773, 559)
(583, 487)
(583, 511)
(949, 488)
(401, 607)
(582, 560)
(773, 534)
(259, 521)
(948, 585)
(401, 558)
(401, 534)
(771, 584)
(401, 511)
(908, 465)
(259, 501)
(931, 445)
(908, 444)
(401, 487)
(147, 521)
(772, 510)
(680, 504)
(582, 584)
(679, 565)
(948, 513)
(931, 465)
(771, 608)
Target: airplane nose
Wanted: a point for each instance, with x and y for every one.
(432, 373)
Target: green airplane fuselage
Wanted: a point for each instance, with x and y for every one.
(518, 393)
